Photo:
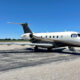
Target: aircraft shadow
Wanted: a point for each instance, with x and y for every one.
(59, 50)
(30, 50)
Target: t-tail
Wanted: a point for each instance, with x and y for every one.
(28, 35)
(25, 27)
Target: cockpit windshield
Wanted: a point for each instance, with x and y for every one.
(74, 35)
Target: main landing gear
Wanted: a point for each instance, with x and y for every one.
(49, 49)
(36, 48)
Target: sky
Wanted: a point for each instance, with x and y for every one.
(41, 15)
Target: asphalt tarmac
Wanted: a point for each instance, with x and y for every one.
(26, 57)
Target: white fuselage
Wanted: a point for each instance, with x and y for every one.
(72, 38)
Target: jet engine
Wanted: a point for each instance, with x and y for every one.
(27, 36)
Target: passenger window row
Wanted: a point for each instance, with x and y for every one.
(52, 36)
(72, 36)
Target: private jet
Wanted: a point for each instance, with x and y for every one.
(50, 40)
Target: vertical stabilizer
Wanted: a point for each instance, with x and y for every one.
(26, 28)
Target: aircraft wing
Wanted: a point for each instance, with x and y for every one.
(23, 44)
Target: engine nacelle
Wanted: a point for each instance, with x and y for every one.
(27, 36)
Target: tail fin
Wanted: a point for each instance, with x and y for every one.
(25, 27)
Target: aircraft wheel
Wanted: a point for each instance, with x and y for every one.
(49, 49)
(35, 48)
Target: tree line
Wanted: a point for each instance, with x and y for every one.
(9, 39)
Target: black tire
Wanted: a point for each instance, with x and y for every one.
(49, 49)
(35, 48)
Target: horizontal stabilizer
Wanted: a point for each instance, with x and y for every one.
(25, 27)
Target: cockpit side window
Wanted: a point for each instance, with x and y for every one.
(78, 35)
(74, 35)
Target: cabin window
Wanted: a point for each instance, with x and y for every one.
(57, 36)
(53, 36)
(50, 36)
(46, 36)
(74, 35)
